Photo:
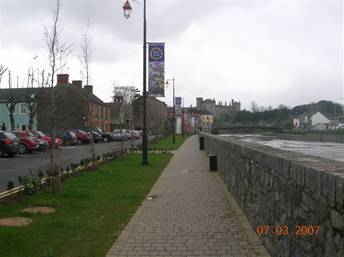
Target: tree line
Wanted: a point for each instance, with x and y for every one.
(283, 114)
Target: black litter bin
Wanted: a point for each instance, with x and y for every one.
(201, 143)
(212, 162)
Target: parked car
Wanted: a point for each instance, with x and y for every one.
(96, 136)
(68, 137)
(42, 144)
(118, 135)
(27, 142)
(42, 136)
(74, 137)
(135, 134)
(128, 133)
(82, 136)
(106, 136)
(9, 143)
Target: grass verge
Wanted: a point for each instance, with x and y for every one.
(167, 144)
(91, 211)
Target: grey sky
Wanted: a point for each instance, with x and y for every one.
(270, 52)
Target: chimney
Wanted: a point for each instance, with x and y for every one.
(62, 79)
(77, 84)
(88, 89)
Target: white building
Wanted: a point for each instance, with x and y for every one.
(318, 118)
(319, 121)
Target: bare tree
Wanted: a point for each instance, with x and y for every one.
(58, 52)
(127, 96)
(11, 106)
(31, 105)
(121, 115)
(86, 51)
(85, 59)
(128, 93)
(2, 72)
(11, 102)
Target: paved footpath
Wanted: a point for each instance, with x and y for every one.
(189, 212)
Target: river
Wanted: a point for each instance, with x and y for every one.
(334, 151)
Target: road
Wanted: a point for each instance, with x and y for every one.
(23, 165)
(333, 151)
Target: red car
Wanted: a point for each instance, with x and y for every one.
(83, 137)
(27, 143)
(41, 135)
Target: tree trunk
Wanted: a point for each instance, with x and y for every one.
(30, 124)
(92, 147)
(13, 125)
(33, 110)
(11, 106)
(56, 180)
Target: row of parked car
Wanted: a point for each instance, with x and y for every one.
(74, 137)
(22, 142)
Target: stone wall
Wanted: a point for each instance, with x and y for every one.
(281, 188)
(315, 137)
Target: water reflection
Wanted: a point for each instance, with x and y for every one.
(334, 151)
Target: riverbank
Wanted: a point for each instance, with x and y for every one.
(311, 137)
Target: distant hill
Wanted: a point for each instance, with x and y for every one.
(282, 116)
(327, 108)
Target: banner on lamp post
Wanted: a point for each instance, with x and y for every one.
(156, 70)
(178, 103)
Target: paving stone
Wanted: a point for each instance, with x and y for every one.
(191, 214)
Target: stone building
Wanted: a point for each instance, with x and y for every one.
(156, 115)
(218, 110)
(75, 106)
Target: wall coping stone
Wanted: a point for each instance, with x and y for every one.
(310, 161)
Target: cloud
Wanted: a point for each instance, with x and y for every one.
(270, 52)
(267, 52)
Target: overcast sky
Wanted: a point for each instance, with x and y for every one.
(271, 52)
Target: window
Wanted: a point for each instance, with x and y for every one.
(22, 109)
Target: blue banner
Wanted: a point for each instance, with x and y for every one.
(178, 101)
(156, 71)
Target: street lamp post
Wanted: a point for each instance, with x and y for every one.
(174, 111)
(127, 10)
(183, 117)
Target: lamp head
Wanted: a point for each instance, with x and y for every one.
(127, 9)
